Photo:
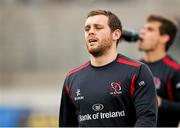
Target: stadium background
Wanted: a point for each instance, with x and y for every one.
(41, 40)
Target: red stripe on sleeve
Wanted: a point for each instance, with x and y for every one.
(79, 68)
(124, 61)
(171, 63)
(132, 87)
(67, 90)
(169, 89)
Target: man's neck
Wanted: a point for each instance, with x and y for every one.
(103, 60)
(154, 56)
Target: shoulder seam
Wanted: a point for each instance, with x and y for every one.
(131, 63)
(78, 68)
(171, 63)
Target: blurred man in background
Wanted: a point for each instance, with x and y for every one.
(110, 89)
(156, 37)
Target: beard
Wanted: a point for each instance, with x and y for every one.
(101, 48)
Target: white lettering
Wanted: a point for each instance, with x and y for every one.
(101, 115)
(85, 117)
(95, 116)
(112, 114)
(79, 98)
(107, 115)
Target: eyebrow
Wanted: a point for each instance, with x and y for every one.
(94, 25)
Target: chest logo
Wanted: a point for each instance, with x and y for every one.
(78, 95)
(78, 92)
(115, 89)
(97, 107)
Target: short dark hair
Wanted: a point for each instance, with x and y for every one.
(113, 21)
(167, 27)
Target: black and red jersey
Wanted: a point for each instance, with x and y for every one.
(166, 74)
(121, 93)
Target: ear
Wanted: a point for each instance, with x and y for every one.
(165, 38)
(116, 34)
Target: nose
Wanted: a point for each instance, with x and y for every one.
(91, 31)
(142, 31)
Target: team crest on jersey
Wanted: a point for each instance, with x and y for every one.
(157, 82)
(115, 89)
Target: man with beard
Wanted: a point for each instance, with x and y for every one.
(156, 37)
(110, 89)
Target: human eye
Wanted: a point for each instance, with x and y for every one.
(86, 28)
(150, 29)
(99, 27)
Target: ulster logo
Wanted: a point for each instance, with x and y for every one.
(115, 88)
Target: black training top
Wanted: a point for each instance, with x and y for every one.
(167, 81)
(121, 93)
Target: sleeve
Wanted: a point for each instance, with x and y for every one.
(145, 99)
(67, 116)
(173, 106)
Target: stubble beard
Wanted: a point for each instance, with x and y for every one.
(101, 49)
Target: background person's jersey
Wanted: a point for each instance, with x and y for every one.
(121, 93)
(166, 74)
